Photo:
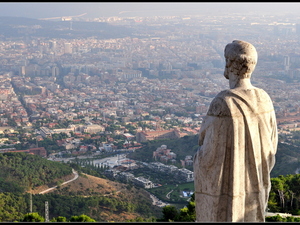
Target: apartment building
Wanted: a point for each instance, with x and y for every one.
(156, 135)
(143, 182)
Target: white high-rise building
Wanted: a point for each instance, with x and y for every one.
(52, 45)
(55, 71)
(68, 48)
(22, 71)
(287, 63)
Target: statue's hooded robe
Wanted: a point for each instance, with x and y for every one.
(238, 142)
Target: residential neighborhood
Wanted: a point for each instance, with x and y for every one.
(90, 95)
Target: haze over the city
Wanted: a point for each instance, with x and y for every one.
(127, 9)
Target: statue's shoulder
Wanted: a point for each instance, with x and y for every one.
(222, 104)
(218, 106)
(260, 93)
(224, 93)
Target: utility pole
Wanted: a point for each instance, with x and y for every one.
(30, 202)
(30, 196)
(46, 212)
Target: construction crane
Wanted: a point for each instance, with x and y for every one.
(63, 18)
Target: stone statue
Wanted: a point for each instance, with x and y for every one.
(238, 142)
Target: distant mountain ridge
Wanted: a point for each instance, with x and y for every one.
(13, 27)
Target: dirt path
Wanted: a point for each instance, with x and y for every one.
(75, 177)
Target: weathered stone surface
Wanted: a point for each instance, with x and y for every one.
(238, 143)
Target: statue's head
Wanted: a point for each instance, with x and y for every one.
(241, 59)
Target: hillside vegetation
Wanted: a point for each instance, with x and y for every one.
(21, 171)
(101, 199)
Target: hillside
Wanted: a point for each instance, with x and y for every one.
(115, 201)
(101, 199)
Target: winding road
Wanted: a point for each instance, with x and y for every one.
(155, 200)
(168, 195)
(49, 189)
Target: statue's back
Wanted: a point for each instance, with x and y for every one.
(232, 167)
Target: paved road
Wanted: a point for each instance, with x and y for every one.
(49, 189)
(156, 201)
(168, 195)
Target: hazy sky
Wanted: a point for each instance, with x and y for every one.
(105, 9)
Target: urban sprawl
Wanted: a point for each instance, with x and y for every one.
(155, 84)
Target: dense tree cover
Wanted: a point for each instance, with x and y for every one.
(12, 207)
(33, 217)
(279, 218)
(22, 171)
(285, 194)
(36, 217)
(59, 219)
(81, 218)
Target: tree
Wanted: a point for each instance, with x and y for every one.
(140, 219)
(170, 212)
(33, 217)
(187, 213)
(81, 218)
(59, 219)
